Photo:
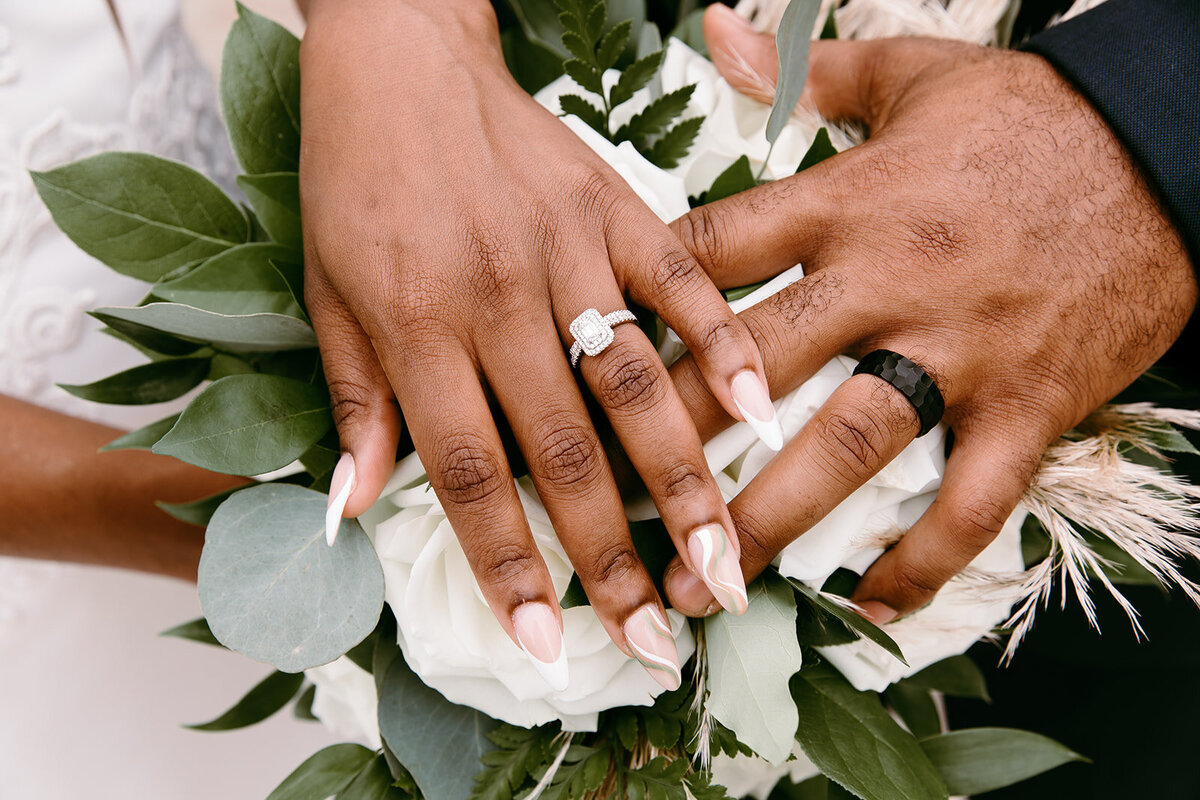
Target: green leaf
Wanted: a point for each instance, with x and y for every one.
(323, 774)
(583, 770)
(816, 627)
(976, 760)
(273, 693)
(792, 40)
(156, 382)
(820, 149)
(146, 339)
(859, 624)
(539, 22)
(750, 659)
(660, 778)
(271, 588)
(673, 146)
(594, 117)
(613, 44)
(249, 424)
(142, 215)
(197, 512)
(584, 74)
(829, 30)
(854, 741)
(957, 676)
(143, 438)
(373, 782)
(655, 117)
(916, 707)
(518, 751)
(249, 333)
(814, 788)
(242, 280)
(634, 77)
(260, 93)
(579, 48)
(439, 742)
(302, 708)
(196, 630)
(275, 197)
(737, 177)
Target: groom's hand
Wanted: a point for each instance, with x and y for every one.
(993, 230)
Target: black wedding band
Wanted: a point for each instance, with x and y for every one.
(912, 381)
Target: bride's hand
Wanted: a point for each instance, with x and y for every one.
(993, 229)
(453, 229)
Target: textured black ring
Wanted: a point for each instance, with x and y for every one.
(912, 381)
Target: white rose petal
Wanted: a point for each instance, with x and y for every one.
(346, 702)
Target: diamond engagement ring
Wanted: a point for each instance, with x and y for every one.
(593, 332)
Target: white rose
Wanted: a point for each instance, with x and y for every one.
(346, 702)
(451, 639)
(748, 776)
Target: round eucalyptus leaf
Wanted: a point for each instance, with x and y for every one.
(271, 588)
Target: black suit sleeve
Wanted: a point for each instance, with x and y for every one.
(1138, 63)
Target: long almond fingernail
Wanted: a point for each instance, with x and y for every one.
(540, 637)
(340, 486)
(719, 567)
(753, 402)
(650, 638)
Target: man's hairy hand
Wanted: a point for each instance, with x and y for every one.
(992, 229)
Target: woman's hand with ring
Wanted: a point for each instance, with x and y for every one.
(453, 229)
(993, 230)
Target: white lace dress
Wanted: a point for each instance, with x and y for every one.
(91, 700)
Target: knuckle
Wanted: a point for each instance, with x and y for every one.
(350, 402)
(980, 519)
(590, 192)
(702, 233)
(616, 565)
(936, 238)
(681, 481)
(569, 457)
(853, 437)
(505, 563)
(628, 380)
(915, 581)
(754, 536)
(491, 263)
(465, 471)
(671, 269)
(721, 335)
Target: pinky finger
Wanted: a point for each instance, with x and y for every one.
(984, 482)
(364, 407)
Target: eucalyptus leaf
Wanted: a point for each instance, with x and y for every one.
(249, 424)
(271, 694)
(260, 93)
(238, 333)
(539, 21)
(273, 590)
(275, 197)
(302, 708)
(143, 438)
(737, 177)
(855, 742)
(324, 773)
(196, 630)
(440, 743)
(793, 41)
(750, 659)
(156, 382)
(197, 512)
(957, 676)
(142, 215)
(976, 760)
(856, 622)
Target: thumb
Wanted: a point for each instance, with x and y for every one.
(855, 80)
(364, 407)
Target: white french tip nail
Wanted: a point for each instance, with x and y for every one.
(553, 673)
(769, 431)
(342, 484)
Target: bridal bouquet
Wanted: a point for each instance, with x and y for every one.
(385, 637)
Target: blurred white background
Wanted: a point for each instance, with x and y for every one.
(208, 21)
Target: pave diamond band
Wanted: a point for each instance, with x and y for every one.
(912, 381)
(593, 332)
